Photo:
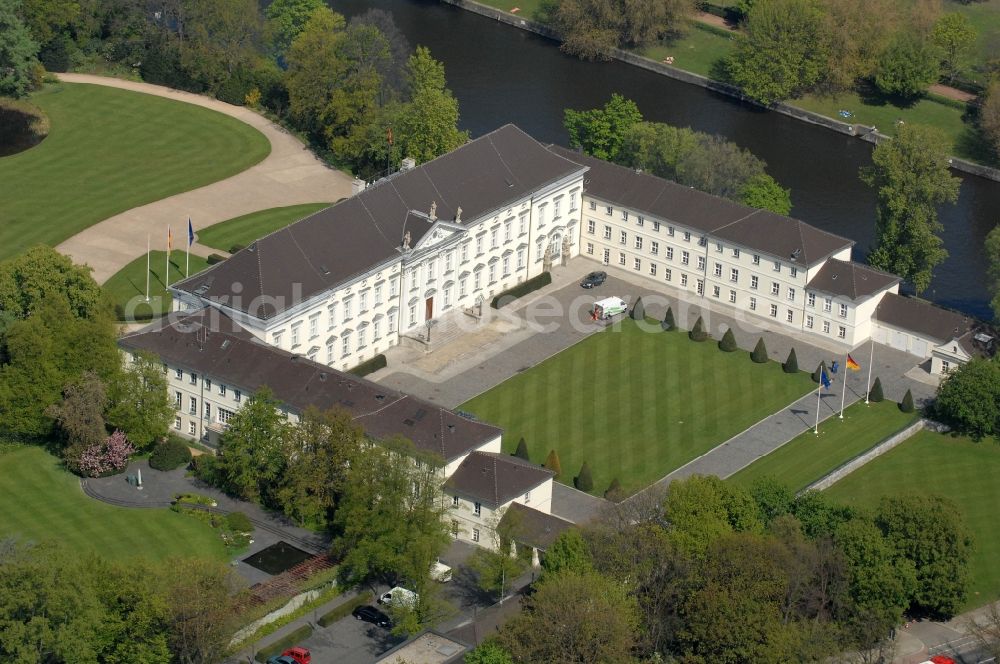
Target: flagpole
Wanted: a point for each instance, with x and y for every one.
(147, 267)
(843, 389)
(819, 389)
(187, 261)
(871, 360)
(166, 278)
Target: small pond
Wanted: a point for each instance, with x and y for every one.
(277, 558)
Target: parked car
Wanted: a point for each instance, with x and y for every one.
(372, 615)
(280, 659)
(400, 597)
(440, 572)
(594, 279)
(296, 655)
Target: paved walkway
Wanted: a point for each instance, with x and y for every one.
(289, 175)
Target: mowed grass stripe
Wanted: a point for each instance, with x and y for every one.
(635, 404)
(110, 150)
(42, 501)
(249, 227)
(956, 467)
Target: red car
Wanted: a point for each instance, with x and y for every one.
(300, 655)
(941, 659)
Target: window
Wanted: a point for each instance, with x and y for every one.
(527, 497)
(701, 287)
(684, 279)
(454, 503)
(718, 269)
(826, 327)
(479, 245)
(794, 271)
(591, 226)
(208, 384)
(718, 247)
(493, 272)
(789, 316)
(177, 400)
(520, 258)
(225, 415)
(194, 378)
(361, 337)
(736, 252)
(295, 332)
(652, 269)
(656, 226)
(734, 275)
(809, 322)
(329, 352)
(378, 288)
(477, 509)
(494, 238)
(208, 411)
(392, 288)
(593, 205)
(701, 263)
(465, 252)
(716, 291)
(702, 241)
(222, 390)
(331, 317)
(775, 287)
(756, 259)
(590, 248)
(192, 429)
(777, 266)
(572, 200)
(345, 346)
(349, 302)
(621, 258)
(177, 423)
(180, 374)
(790, 294)
(413, 286)
(687, 236)
(668, 274)
(475, 534)
(541, 215)
(609, 210)
(623, 239)
(843, 311)
(431, 274)
(392, 321)
(654, 248)
(237, 396)
(670, 253)
(607, 256)
(945, 368)
(638, 242)
(539, 250)
(193, 405)
(639, 221)
(827, 304)
(670, 231)
(753, 304)
(477, 278)
(314, 327)
(165, 369)
(637, 265)
(774, 311)
(506, 268)
(607, 232)
(732, 296)
(508, 231)
(811, 299)
(842, 332)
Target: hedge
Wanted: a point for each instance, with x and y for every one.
(215, 258)
(239, 522)
(344, 610)
(370, 366)
(236, 248)
(522, 289)
(287, 641)
(170, 454)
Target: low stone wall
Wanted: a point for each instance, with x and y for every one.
(875, 452)
(293, 605)
(863, 132)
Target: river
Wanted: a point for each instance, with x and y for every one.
(500, 74)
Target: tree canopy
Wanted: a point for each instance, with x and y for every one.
(969, 398)
(18, 53)
(592, 29)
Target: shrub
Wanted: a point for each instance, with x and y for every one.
(876, 393)
(523, 288)
(791, 365)
(759, 354)
(906, 405)
(239, 522)
(237, 248)
(638, 310)
(584, 481)
(698, 332)
(344, 610)
(614, 491)
(170, 454)
(668, 320)
(206, 468)
(552, 463)
(106, 458)
(370, 366)
(728, 342)
(215, 258)
(522, 450)
(817, 375)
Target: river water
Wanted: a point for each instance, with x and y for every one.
(500, 74)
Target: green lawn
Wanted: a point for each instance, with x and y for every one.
(110, 150)
(634, 404)
(985, 16)
(526, 8)
(42, 501)
(808, 457)
(958, 468)
(244, 230)
(128, 285)
(697, 51)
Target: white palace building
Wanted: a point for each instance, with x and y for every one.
(297, 308)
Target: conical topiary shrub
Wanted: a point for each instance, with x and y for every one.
(759, 354)
(614, 491)
(816, 375)
(791, 365)
(552, 463)
(906, 405)
(668, 321)
(522, 450)
(584, 481)
(638, 310)
(698, 332)
(876, 393)
(728, 342)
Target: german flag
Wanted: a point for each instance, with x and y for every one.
(852, 365)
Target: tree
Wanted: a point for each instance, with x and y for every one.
(668, 320)
(251, 458)
(592, 29)
(759, 354)
(494, 566)
(584, 481)
(702, 508)
(18, 53)
(614, 491)
(552, 463)
(428, 124)
(969, 398)
(955, 37)
(201, 597)
(773, 498)
(600, 132)
(782, 51)
(906, 405)
(858, 31)
(287, 18)
(574, 617)
(221, 38)
(728, 342)
(41, 273)
(489, 652)
(399, 46)
(522, 450)
(989, 115)
(315, 68)
(819, 515)
(791, 364)
(698, 332)
(992, 249)
(928, 530)
(908, 66)
(763, 191)
(138, 401)
(817, 375)
(876, 392)
(638, 310)
(80, 414)
(568, 553)
(110, 456)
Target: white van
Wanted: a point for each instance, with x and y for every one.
(608, 307)
(399, 596)
(440, 572)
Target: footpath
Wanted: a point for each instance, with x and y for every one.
(289, 175)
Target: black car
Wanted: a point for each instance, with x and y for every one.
(594, 279)
(372, 615)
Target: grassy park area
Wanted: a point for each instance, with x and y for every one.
(634, 404)
(244, 230)
(110, 150)
(809, 457)
(128, 285)
(41, 501)
(955, 467)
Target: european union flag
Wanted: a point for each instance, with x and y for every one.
(823, 378)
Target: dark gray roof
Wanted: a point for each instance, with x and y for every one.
(850, 279)
(922, 317)
(533, 527)
(782, 237)
(347, 239)
(214, 345)
(495, 479)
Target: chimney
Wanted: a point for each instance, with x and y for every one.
(408, 164)
(357, 186)
(458, 215)
(406, 241)
(434, 210)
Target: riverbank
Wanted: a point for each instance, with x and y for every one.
(867, 133)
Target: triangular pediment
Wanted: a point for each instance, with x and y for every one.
(439, 233)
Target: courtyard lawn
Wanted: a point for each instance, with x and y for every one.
(127, 287)
(698, 51)
(635, 404)
(985, 16)
(525, 8)
(956, 467)
(110, 150)
(809, 457)
(244, 230)
(42, 501)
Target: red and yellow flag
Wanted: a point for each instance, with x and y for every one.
(852, 365)
(170, 239)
